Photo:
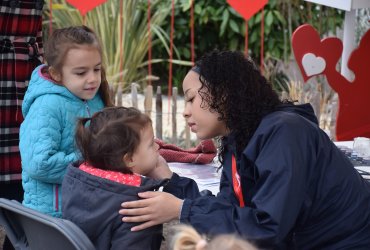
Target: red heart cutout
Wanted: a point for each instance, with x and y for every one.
(306, 40)
(247, 8)
(85, 6)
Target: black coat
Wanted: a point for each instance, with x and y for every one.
(300, 190)
(93, 203)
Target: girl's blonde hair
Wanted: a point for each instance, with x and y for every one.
(187, 238)
(64, 39)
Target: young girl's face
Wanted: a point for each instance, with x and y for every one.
(81, 71)
(146, 155)
(201, 121)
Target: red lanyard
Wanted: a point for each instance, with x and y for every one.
(236, 182)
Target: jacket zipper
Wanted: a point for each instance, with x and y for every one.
(56, 198)
(87, 109)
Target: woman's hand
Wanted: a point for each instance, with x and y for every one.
(161, 170)
(155, 208)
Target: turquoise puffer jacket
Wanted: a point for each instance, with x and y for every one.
(47, 140)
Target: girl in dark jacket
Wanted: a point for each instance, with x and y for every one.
(284, 184)
(118, 147)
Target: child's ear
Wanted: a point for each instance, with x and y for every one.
(55, 74)
(129, 160)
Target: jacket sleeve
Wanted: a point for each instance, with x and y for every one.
(40, 139)
(277, 196)
(182, 187)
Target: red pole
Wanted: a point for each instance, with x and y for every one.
(192, 31)
(171, 55)
(262, 38)
(149, 45)
(51, 17)
(121, 41)
(246, 39)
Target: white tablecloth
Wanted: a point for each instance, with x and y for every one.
(206, 176)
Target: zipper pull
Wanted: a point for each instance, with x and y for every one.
(88, 109)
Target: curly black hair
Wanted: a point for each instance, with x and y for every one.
(233, 86)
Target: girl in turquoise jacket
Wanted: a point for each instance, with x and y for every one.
(72, 85)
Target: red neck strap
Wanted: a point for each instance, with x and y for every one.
(236, 182)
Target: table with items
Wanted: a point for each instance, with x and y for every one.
(361, 164)
(207, 176)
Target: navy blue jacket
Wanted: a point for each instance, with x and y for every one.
(92, 203)
(300, 190)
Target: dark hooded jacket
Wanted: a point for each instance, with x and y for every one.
(300, 191)
(92, 203)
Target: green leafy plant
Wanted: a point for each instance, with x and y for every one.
(217, 25)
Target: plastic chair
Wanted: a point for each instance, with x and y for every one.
(30, 229)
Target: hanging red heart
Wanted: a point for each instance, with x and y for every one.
(247, 8)
(313, 55)
(85, 6)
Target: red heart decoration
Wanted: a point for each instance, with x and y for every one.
(306, 40)
(85, 6)
(353, 118)
(247, 8)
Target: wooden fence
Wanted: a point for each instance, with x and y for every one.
(177, 130)
(174, 116)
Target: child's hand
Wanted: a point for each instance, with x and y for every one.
(154, 208)
(161, 170)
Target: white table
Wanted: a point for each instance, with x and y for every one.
(363, 170)
(206, 176)
(348, 144)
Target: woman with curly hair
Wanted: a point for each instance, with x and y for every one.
(284, 183)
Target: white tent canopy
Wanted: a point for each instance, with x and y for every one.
(346, 5)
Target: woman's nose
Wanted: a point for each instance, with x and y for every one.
(186, 112)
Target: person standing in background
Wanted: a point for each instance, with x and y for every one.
(71, 85)
(21, 51)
